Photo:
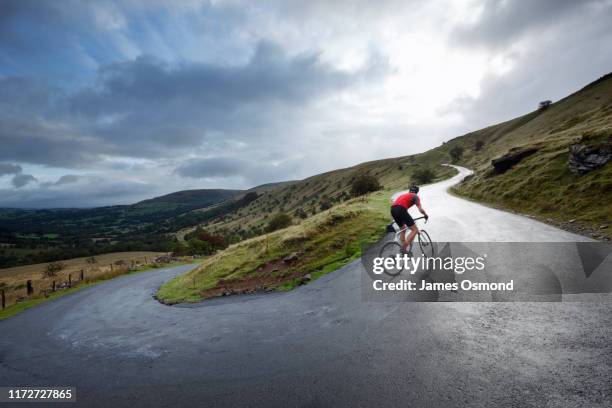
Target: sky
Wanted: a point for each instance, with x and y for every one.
(112, 102)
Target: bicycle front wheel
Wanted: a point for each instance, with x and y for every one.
(390, 250)
(425, 244)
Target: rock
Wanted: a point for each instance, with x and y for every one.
(603, 226)
(572, 221)
(306, 278)
(291, 257)
(583, 159)
(514, 156)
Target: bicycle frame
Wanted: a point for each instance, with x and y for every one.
(398, 233)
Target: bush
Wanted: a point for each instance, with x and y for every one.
(301, 213)
(544, 104)
(53, 268)
(325, 204)
(456, 153)
(478, 145)
(424, 175)
(279, 221)
(364, 184)
(215, 241)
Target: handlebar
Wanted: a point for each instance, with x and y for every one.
(420, 218)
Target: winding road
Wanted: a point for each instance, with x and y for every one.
(320, 345)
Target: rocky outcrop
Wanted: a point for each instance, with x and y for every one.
(514, 156)
(583, 159)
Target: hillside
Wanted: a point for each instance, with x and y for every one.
(330, 227)
(542, 184)
(190, 199)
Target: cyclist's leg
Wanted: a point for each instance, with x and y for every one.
(413, 230)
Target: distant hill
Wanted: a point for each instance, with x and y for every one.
(191, 198)
(50, 234)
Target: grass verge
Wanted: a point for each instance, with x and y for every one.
(290, 257)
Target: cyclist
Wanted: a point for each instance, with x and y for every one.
(399, 212)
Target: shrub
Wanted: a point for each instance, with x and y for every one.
(456, 153)
(279, 221)
(53, 268)
(364, 184)
(478, 145)
(301, 213)
(544, 105)
(424, 175)
(325, 204)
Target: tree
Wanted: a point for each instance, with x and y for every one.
(363, 184)
(424, 175)
(456, 153)
(544, 104)
(279, 221)
(478, 145)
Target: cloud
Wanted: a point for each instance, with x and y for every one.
(20, 180)
(67, 179)
(9, 168)
(88, 192)
(212, 167)
(200, 94)
(501, 22)
(150, 108)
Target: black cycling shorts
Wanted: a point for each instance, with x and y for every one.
(401, 217)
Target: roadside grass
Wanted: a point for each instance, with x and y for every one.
(323, 243)
(542, 186)
(34, 301)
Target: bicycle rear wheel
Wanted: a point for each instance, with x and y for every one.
(390, 250)
(427, 247)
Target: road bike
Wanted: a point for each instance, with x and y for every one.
(392, 248)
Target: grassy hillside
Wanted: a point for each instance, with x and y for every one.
(329, 226)
(321, 242)
(542, 184)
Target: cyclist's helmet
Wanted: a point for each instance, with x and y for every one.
(414, 189)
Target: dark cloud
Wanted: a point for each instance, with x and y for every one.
(212, 167)
(148, 108)
(503, 21)
(90, 192)
(21, 180)
(9, 168)
(252, 172)
(66, 179)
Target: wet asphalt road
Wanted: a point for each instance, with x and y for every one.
(321, 345)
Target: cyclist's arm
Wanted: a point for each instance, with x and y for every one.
(422, 211)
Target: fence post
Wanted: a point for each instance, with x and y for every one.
(69, 280)
(53, 286)
(3, 300)
(111, 265)
(82, 274)
(30, 288)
